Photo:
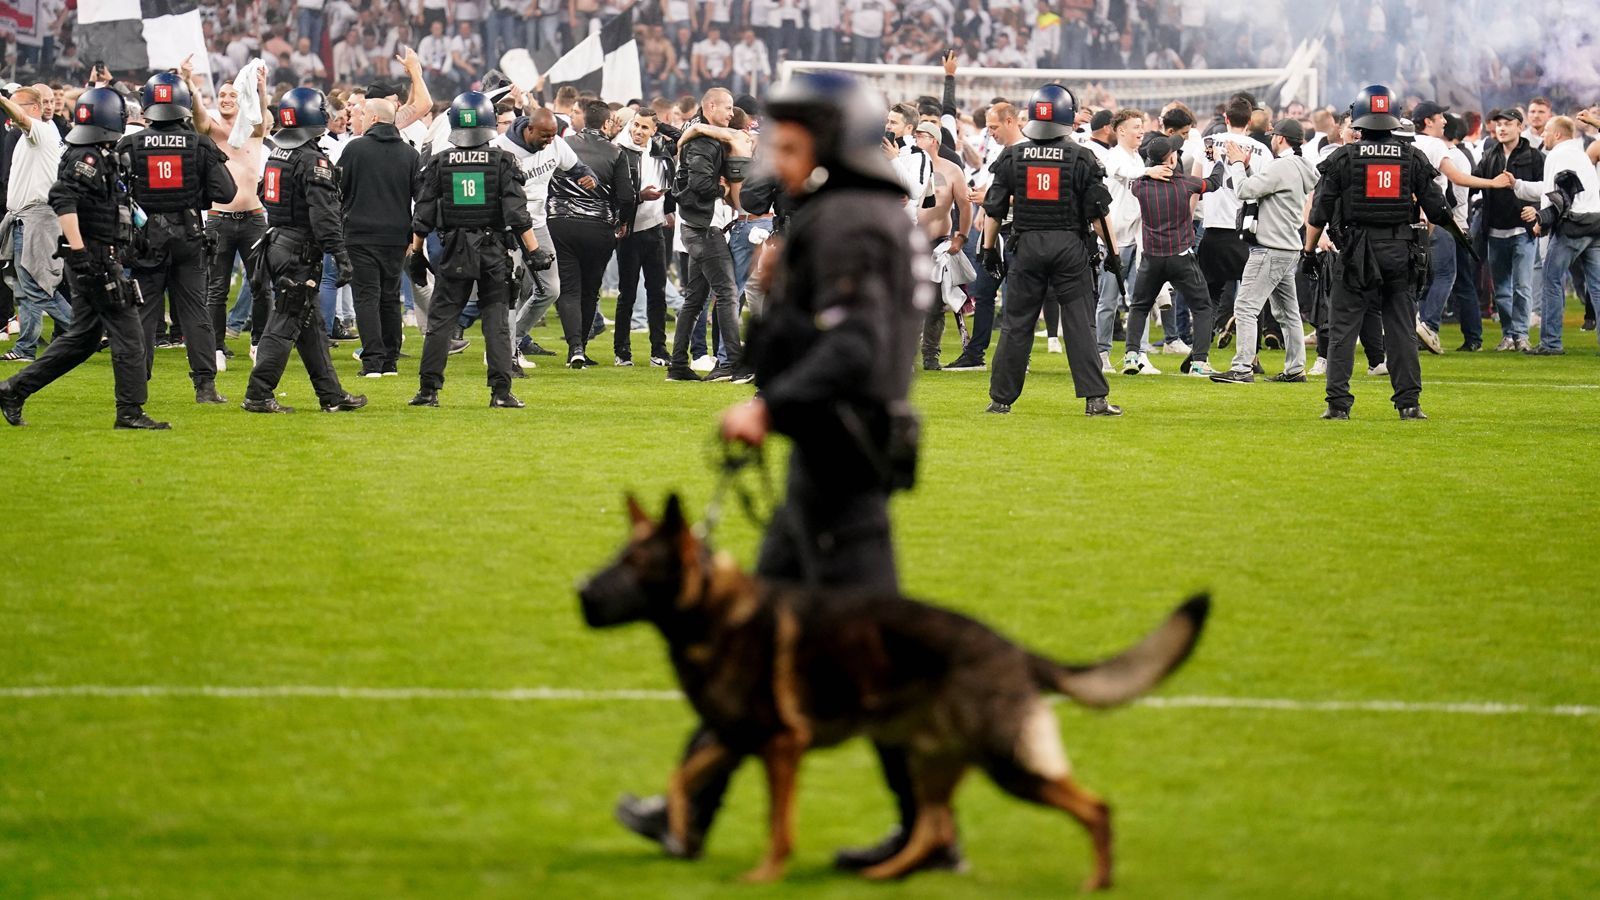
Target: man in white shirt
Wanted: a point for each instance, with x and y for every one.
(532, 141)
(466, 52)
(824, 27)
(307, 64)
(643, 250)
(1123, 166)
(434, 51)
(1577, 234)
(752, 67)
(34, 164)
(866, 20)
(1223, 252)
(1003, 55)
(713, 59)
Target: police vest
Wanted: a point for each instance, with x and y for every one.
(1044, 198)
(1378, 191)
(166, 169)
(94, 170)
(469, 188)
(283, 187)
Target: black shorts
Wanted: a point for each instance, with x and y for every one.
(1223, 254)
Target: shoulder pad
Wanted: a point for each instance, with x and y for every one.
(321, 170)
(87, 162)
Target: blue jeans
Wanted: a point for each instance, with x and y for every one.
(308, 24)
(1511, 270)
(1442, 257)
(1553, 292)
(743, 251)
(1465, 297)
(32, 305)
(825, 44)
(868, 50)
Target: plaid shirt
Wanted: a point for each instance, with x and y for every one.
(1168, 219)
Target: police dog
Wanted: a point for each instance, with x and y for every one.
(775, 670)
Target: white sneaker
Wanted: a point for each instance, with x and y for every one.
(1053, 345)
(1310, 339)
(1522, 345)
(525, 362)
(1320, 367)
(1176, 348)
(409, 319)
(1138, 364)
(1201, 369)
(1429, 338)
(1505, 344)
(12, 326)
(1379, 369)
(1105, 364)
(252, 353)
(222, 361)
(356, 354)
(704, 364)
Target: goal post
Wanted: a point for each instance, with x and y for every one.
(1148, 89)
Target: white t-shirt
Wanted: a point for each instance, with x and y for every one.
(1436, 150)
(1459, 213)
(716, 55)
(751, 59)
(539, 167)
(34, 165)
(824, 14)
(867, 18)
(1123, 167)
(1222, 205)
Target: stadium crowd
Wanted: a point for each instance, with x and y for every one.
(387, 89)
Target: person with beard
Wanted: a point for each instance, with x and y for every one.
(586, 224)
(644, 247)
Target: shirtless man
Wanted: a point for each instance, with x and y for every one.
(233, 227)
(949, 188)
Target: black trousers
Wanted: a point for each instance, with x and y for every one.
(82, 340)
(710, 281)
(230, 234)
(379, 314)
(642, 251)
(450, 296)
(1223, 255)
(304, 331)
(1395, 300)
(828, 539)
(182, 277)
(1049, 266)
(1183, 273)
(583, 247)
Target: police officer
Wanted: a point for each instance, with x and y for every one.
(1368, 199)
(91, 198)
(833, 355)
(472, 194)
(176, 174)
(1055, 191)
(300, 191)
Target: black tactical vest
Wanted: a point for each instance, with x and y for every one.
(99, 208)
(469, 188)
(1378, 191)
(283, 188)
(166, 169)
(1044, 197)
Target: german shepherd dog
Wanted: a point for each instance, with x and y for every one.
(775, 670)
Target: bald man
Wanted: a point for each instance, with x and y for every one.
(379, 176)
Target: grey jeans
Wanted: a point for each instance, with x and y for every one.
(546, 288)
(1269, 275)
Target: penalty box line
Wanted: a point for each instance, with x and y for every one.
(537, 694)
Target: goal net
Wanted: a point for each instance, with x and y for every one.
(1148, 89)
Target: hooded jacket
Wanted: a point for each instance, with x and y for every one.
(379, 175)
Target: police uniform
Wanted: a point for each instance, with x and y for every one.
(300, 192)
(472, 194)
(176, 173)
(1368, 198)
(90, 185)
(1055, 191)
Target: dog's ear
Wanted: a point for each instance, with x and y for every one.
(637, 517)
(672, 520)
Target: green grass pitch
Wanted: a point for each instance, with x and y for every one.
(1451, 561)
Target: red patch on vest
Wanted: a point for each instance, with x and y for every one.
(1380, 103)
(165, 173)
(1383, 182)
(1044, 183)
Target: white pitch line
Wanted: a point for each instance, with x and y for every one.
(534, 694)
(1448, 382)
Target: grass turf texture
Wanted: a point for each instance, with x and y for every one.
(1374, 559)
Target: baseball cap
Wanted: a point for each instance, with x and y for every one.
(930, 129)
(1509, 113)
(1290, 130)
(1427, 109)
(1101, 119)
(1157, 151)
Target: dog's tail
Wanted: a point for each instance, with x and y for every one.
(1135, 671)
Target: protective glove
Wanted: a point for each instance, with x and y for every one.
(1113, 263)
(344, 270)
(538, 259)
(1309, 267)
(993, 262)
(417, 268)
(84, 263)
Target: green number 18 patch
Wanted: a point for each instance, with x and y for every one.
(467, 188)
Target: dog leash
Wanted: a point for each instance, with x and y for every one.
(731, 460)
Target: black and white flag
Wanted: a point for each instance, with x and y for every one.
(135, 37)
(605, 63)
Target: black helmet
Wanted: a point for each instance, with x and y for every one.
(1050, 113)
(302, 117)
(845, 119)
(471, 119)
(1374, 109)
(165, 98)
(99, 118)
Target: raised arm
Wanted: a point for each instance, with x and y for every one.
(421, 103)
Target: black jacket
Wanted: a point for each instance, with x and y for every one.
(379, 175)
(617, 195)
(658, 152)
(701, 160)
(1501, 208)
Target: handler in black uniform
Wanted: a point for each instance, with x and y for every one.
(91, 199)
(301, 194)
(473, 195)
(1368, 196)
(176, 174)
(833, 355)
(586, 224)
(1055, 192)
